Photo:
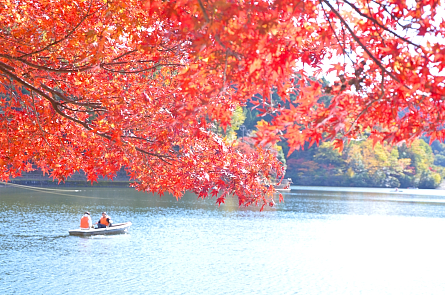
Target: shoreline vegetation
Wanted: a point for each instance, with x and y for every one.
(362, 162)
(121, 180)
(367, 164)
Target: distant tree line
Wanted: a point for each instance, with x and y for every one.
(361, 163)
(366, 165)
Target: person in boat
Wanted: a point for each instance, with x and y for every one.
(104, 221)
(85, 221)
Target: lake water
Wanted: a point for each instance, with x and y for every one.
(319, 241)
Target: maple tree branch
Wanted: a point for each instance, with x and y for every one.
(357, 39)
(63, 38)
(67, 100)
(217, 38)
(128, 62)
(139, 71)
(344, 37)
(13, 41)
(86, 68)
(53, 102)
(38, 122)
(382, 88)
(204, 11)
(375, 27)
(225, 74)
(64, 106)
(125, 54)
(335, 33)
(379, 24)
(137, 137)
(160, 157)
(172, 48)
(387, 11)
(43, 67)
(7, 66)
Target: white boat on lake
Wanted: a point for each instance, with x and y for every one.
(118, 228)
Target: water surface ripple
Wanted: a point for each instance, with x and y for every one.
(316, 242)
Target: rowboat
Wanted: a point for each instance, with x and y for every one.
(116, 228)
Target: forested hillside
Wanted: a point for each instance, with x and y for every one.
(365, 165)
(361, 163)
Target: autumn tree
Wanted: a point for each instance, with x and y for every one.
(439, 153)
(377, 165)
(230, 132)
(99, 85)
(425, 174)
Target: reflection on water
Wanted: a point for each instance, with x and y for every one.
(317, 242)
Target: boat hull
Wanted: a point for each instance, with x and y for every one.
(118, 228)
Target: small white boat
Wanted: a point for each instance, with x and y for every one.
(116, 228)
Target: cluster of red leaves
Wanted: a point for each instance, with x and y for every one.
(389, 59)
(98, 85)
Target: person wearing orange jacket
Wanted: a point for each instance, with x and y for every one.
(104, 221)
(85, 221)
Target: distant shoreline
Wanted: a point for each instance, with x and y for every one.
(126, 183)
(371, 190)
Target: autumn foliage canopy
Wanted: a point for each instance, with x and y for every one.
(101, 85)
